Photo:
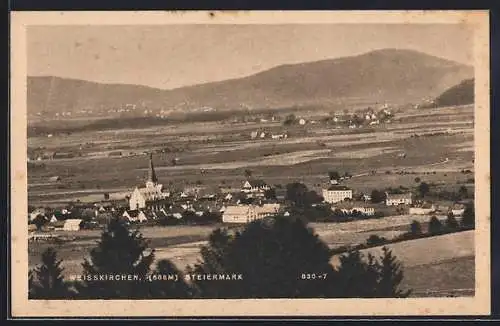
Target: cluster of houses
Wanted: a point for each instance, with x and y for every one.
(248, 203)
(366, 117)
(341, 198)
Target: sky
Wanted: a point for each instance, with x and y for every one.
(172, 56)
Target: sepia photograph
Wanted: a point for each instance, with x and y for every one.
(195, 156)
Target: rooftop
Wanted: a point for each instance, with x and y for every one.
(257, 182)
(398, 196)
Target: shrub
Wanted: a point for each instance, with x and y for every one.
(468, 218)
(119, 251)
(435, 225)
(46, 281)
(375, 240)
(415, 228)
(451, 222)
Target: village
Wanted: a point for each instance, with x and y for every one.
(274, 127)
(152, 204)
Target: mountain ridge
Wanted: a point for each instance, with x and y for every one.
(393, 75)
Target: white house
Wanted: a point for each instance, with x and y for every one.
(457, 209)
(72, 224)
(351, 207)
(143, 197)
(248, 213)
(398, 199)
(37, 212)
(369, 211)
(279, 136)
(335, 194)
(236, 214)
(302, 121)
(422, 209)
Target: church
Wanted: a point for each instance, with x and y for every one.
(151, 195)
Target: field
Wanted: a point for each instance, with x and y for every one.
(438, 145)
(436, 266)
(216, 153)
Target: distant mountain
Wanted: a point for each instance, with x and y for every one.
(460, 94)
(396, 76)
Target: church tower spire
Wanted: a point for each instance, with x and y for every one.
(152, 179)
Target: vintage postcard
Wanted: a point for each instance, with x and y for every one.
(213, 164)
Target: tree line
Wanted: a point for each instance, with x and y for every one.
(278, 257)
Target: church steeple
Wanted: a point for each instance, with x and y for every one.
(152, 179)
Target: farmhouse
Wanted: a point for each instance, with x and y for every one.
(72, 224)
(351, 208)
(335, 194)
(254, 186)
(149, 195)
(37, 212)
(248, 213)
(398, 199)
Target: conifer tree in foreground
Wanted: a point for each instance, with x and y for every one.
(390, 276)
(212, 262)
(468, 218)
(125, 253)
(415, 228)
(284, 259)
(271, 258)
(451, 222)
(360, 277)
(169, 289)
(120, 252)
(356, 277)
(435, 225)
(46, 281)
